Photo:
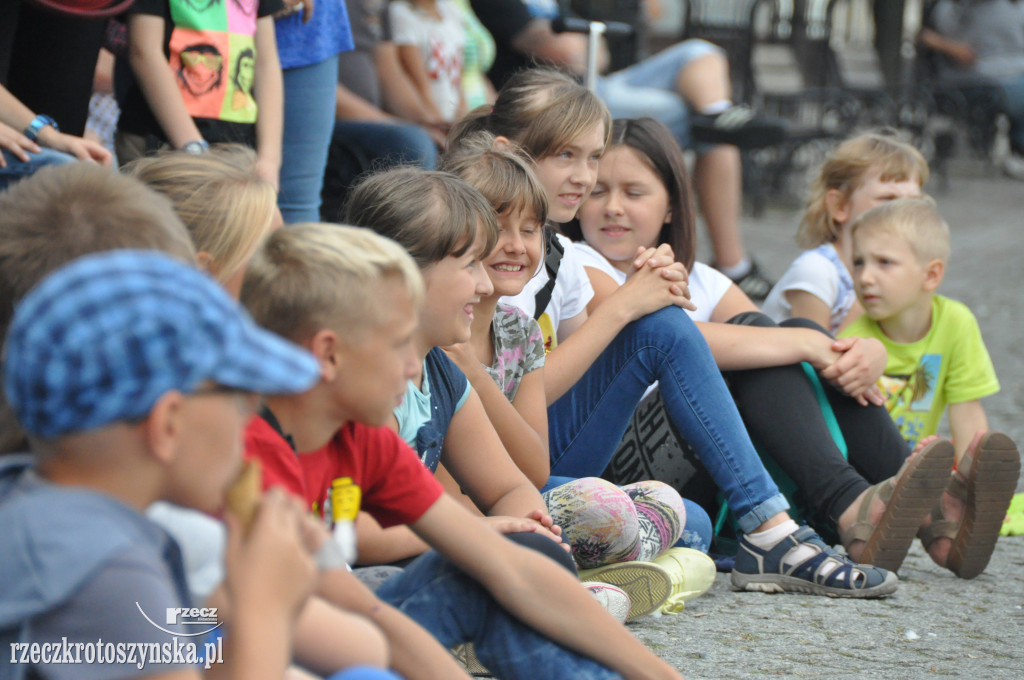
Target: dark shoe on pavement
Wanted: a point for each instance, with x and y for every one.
(754, 283)
(738, 125)
(824, 572)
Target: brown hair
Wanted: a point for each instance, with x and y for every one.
(541, 109)
(313, 276)
(657, 147)
(66, 211)
(432, 214)
(502, 173)
(226, 206)
(847, 168)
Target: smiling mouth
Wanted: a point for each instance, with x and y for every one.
(508, 268)
(615, 230)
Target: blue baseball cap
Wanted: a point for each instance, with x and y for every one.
(102, 338)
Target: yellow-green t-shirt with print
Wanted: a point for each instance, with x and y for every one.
(950, 365)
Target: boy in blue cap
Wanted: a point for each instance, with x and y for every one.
(133, 376)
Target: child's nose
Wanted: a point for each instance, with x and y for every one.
(484, 287)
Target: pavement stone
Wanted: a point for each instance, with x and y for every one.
(935, 625)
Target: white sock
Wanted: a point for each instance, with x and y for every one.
(735, 271)
(716, 107)
(769, 538)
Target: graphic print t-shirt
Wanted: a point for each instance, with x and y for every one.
(211, 50)
(950, 365)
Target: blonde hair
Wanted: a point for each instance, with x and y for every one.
(915, 220)
(432, 214)
(500, 172)
(847, 168)
(63, 212)
(312, 276)
(541, 109)
(226, 206)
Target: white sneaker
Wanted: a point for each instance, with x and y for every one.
(647, 584)
(613, 599)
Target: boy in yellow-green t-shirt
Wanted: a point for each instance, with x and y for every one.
(937, 358)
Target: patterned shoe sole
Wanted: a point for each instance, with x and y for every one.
(994, 474)
(916, 493)
(646, 584)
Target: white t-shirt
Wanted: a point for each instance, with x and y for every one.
(441, 44)
(569, 298)
(821, 273)
(707, 285)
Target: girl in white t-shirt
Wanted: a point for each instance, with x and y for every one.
(431, 40)
(862, 172)
(642, 199)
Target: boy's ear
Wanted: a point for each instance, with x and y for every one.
(162, 429)
(934, 271)
(502, 143)
(204, 260)
(837, 205)
(326, 347)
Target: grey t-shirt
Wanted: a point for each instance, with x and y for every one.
(993, 28)
(81, 565)
(356, 68)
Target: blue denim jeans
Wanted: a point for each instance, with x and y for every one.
(648, 88)
(587, 422)
(18, 169)
(309, 95)
(457, 609)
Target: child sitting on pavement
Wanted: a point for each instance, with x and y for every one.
(936, 358)
(504, 361)
(126, 404)
(859, 174)
(352, 299)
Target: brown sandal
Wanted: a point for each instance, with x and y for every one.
(985, 484)
(907, 496)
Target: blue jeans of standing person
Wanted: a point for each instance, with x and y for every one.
(309, 96)
(18, 169)
(648, 88)
(457, 609)
(586, 424)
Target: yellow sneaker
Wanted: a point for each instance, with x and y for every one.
(692, 573)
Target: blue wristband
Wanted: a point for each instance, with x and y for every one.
(37, 124)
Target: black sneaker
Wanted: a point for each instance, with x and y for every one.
(755, 284)
(738, 125)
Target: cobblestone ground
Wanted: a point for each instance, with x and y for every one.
(935, 625)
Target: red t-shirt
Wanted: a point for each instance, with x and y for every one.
(394, 486)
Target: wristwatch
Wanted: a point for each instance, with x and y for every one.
(37, 124)
(196, 146)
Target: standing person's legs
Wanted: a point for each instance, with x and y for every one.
(308, 125)
(588, 421)
(1013, 90)
(457, 609)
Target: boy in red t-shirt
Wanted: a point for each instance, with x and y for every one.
(351, 297)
